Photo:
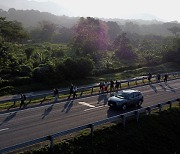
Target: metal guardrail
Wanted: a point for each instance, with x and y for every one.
(84, 88)
(122, 118)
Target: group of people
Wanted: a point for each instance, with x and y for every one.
(72, 91)
(103, 88)
(113, 86)
(158, 77)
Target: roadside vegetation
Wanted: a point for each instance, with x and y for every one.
(48, 56)
(156, 133)
(34, 60)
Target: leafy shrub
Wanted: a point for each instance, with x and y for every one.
(43, 73)
(25, 70)
(79, 68)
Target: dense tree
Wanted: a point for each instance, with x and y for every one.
(174, 30)
(91, 35)
(78, 68)
(63, 35)
(123, 49)
(12, 30)
(173, 54)
(113, 30)
(29, 52)
(44, 32)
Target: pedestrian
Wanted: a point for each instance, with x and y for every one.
(117, 85)
(56, 94)
(158, 77)
(75, 91)
(23, 98)
(149, 77)
(101, 86)
(165, 78)
(111, 85)
(71, 90)
(106, 86)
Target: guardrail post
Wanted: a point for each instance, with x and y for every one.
(160, 107)
(124, 120)
(170, 104)
(51, 142)
(137, 115)
(91, 90)
(148, 109)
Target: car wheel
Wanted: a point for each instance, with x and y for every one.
(139, 103)
(124, 107)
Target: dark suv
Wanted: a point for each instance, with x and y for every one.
(126, 98)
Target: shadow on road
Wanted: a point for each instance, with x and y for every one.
(171, 89)
(47, 111)
(103, 98)
(153, 87)
(8, 118)
(162, 86)
(67, 106)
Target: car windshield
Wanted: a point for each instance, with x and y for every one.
(122, 95)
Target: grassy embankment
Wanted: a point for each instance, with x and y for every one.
(156, 133)
(168, 67)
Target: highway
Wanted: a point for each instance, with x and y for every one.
(24, 125)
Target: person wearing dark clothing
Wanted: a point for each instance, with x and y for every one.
(71, 90)
(111, 85)
(117, 85)
(101, 86)
(23, 98)
(106, 86)
(165, 78)
(56, 93)
(158, 77)
(149, 77)
(74, 91)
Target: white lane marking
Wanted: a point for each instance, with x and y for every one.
(86, 104)
(3, 129)
(95, 108)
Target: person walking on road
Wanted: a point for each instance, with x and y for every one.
(117, 85)
(101, 86)
(71, 90)
(106, 86)
(56, 94)
(111, 85)
(165, 78)
(158, 77)
(149, 77)
(23, 98)
(74, 92)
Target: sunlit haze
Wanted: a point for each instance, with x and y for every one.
(163, 10)
(124, 9)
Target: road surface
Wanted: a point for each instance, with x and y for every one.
(31, 123)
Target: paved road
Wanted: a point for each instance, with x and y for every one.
(23, 125)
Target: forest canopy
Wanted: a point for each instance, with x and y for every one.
(49, 53)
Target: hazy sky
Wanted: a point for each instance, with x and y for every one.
(168, 10)
(164, 9)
